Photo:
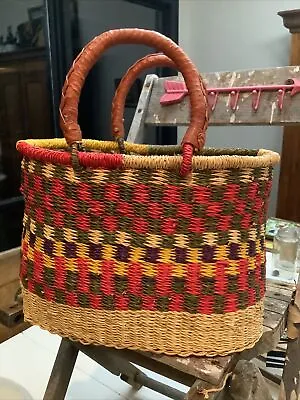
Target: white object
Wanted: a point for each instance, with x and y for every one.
(10, 390)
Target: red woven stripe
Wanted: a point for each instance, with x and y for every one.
(92, 160)
(111, 192)
(193, 279)
(107, 277)
(60, 272)
(149, 303)
(176, 302)
(40, 215)
(163, 279)
(169, 226)
(121, 302)
(172, 194)
(231, 302)
(140, 225)
(23, 269)
(243, 275)
(225, 222)
(49, 293)
(252, 296)
(96, 160)
(221, 278)
(71, 299)
(197, 225)
(40, 154)
(206, 304)
(110, 223)
(58, 219)
(95, 301)
(141, 194)
(155, 210)
(37, 184)
(202, 195)
(83, 278)
(38, 266)
(232, 190)
(135, 279)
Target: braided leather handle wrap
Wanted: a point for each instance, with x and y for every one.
(195, 134)
(118, 103)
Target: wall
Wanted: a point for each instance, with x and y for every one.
(96, 17)
(14, 12)
(233, 35)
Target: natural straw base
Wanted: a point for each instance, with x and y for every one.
(170, 333)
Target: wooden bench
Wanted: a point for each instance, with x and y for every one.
(205, 376)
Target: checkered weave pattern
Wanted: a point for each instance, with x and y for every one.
(146, 240)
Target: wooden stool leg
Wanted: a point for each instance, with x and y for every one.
(119, 365)
(110, 360)
(62, 371)
(290, 384)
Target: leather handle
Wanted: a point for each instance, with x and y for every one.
(195, 134)
(118, 103)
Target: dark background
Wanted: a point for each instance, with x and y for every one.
(38, 43)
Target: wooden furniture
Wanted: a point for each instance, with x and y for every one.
(10, 309)
(206, 377)
(24, 109)
(289, 190)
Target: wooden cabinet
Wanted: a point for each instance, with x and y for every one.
(24, 109)
(288, 203)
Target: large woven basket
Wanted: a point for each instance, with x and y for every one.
(157, 248)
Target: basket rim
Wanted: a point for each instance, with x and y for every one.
(104, 154)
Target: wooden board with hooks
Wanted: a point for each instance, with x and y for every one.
(275, 107)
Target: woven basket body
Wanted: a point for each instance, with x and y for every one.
(141, 258)
(158, 249)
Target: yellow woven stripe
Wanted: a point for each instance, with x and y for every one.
(102, 146)
(138, 254)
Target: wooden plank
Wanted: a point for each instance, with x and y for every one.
(274, 305)
(282, 288)
(267, 114)
(272, 319)
(211, 370)
(278, 296)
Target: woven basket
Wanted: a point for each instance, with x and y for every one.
(159, 249)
